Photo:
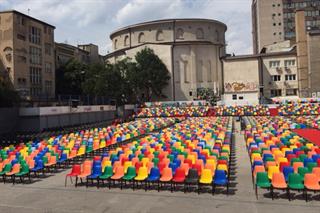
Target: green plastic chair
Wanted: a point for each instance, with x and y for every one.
(24, 171)
(45, 160)
(7, 168)
(295, 160)
(311, 165)
(302, 157)
(302, 171)
(295, 182)
(262, 181)
(131, 173)
(155, 161)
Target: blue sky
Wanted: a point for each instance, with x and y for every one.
(91, 21)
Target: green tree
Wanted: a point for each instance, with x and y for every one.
(8, 96)
(152, 72)
(70, 77)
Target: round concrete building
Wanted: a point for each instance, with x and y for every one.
(190, 48)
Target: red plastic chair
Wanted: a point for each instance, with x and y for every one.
(178, 178)
(76, 170)
(283, 164)
(198, 168)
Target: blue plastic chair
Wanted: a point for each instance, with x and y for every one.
(174, 167)
(220, 179)
(286, 171)
(306, 161)
(38, 167)
(256, 163)
(154, 174)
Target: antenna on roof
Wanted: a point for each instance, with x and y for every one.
(28, 11)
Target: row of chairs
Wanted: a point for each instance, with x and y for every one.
(196, 151)
(280, 159)
(41, 156)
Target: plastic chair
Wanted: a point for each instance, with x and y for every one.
(295, 182)
(166, 176)
(106, 175)
(119, 173)
(179, 177)
(302, 171)
(287, 170)
(96, 172)
(220, 179)
(278, 182)
(84, 174)
(153, 177)
(130, 175)
(271, 170)
(24, 171)
(297, 165)
(142, 176)
(316, 171)
(311, 183)
(15, 170)
(262, 181)
(76, 170)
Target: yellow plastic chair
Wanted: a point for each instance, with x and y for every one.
(272, 170)
(142, 174)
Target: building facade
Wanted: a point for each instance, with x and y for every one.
(190, 48)
(274, 20)
(27, 54)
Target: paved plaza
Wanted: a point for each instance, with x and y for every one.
(50, 195)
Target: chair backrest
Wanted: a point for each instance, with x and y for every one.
(220, 175)
(119, 171)
(86, 169)
(131, 171)
(278, 178)
(155, 172)
(206, 174)
(311, 180)
(296, 165)
(262, 177)
(316, 171)
(76, 169)
(271, 170)
(302, 171)
(108, 170)
(257, 169)
(185, 166)
(193, 174)
(167, 172)
(295, 179)
(143, 171)
(16, 168)
(180, 173)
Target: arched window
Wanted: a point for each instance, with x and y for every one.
(200, 33)
(115, 44)
(217, 35)
(141, 38)
(159, 35)
(180, 33)
(126, 40)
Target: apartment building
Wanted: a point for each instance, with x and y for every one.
(27, 54)
(274, 20)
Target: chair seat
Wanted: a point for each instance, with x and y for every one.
(178, 180)
(72, 175)
(83, 175)
(296, 186)
(104, 177)
(220, 182)
(128, 177)
(205, 181)
(165, 179)
(313, 187)
(191, 181)
(153, 178)
(279, 186)
(264, 185)
(116, 177)
(22, 173)
(95, 176)
(141, 178)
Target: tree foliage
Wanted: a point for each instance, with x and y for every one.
(126, 81)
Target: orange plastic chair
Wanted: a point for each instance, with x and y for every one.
(296, 165)
(52, 161)
(85, 173)
(258, 168)
(311, 183)
(115, 165)
(186, 167)
(166, 175)
(278, 182)
(316, 171)
(15, 170)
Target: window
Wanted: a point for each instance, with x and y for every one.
(48, 67)
(274, 64)
(200, 33)
(290, 77)
(126, 40)
(115, 44)
(35, 75)
(141, 38)
(289, 63)
(21, 37)
(274, 24)
(276, 77)
(240, 97)
(180, 33)
(159, 35)
(48, 87)
(21, 20)
(291, 92)
(34, 35)
(276, 92)
(234, 97)
(47, 49)
(35, 55)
